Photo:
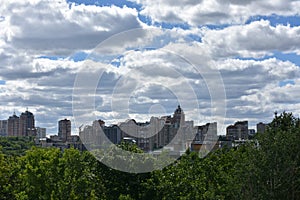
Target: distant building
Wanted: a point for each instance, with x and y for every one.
(55, 138)
(3, 128)
(55, 141)
(170, 129)
(40, 132)
(27, 124)
(113, 133)
(13, 126)
(64, 129)
(205, 137)
(91, 135)
(261, 127)
(138, 132)
(148, 136)
(251, 132)
(237, 131)
(21, 126)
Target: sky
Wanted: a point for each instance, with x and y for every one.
(221, 60)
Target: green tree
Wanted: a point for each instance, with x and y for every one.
(39, 174)
(121, 184)
(80, 176)
(5, 175)
(280, 159)
(16, 146)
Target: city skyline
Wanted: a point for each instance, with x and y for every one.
(253, 46)
(64, 128)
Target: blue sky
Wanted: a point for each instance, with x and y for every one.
(44, 45)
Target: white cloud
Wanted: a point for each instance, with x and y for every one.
(48, 28)
(203, 12)
(256, 39)
(56, 27)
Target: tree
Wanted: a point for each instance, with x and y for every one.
(280, 165)
(80, 176)
(39, 173)
(5, 174)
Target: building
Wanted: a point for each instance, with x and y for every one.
(261, 127)
(150, 135)
(166, 132)
(113, 133)
(92, 135)
(21, 126)
(251, 132)
(63, 140)
(238, 131)
(138, 132)
(27, 124)
(64, 129)
(171, 126)
(3, 128)
(55, 141)
(13, 126)
(40, 132)
(170, 132)
(205, 137)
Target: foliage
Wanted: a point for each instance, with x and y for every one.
(16, 145)
(280, 159)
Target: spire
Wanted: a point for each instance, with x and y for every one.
(178, 110)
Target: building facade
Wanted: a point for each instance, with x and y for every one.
(113, 133)
(238, 131)
(205, 137)
(27, 124)
(21, 126)
(261, 127)
(40, 132)
(13, 126)
(64, 129)
(3, 128)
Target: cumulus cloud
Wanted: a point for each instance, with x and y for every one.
(56, 27)
(254, 88)
(256, 39)
(147, 69)
(204, 12)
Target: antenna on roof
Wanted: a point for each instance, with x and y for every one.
(276, 113)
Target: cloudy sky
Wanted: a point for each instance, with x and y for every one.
(141, 58)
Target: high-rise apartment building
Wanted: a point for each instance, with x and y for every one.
(27, 124)
(261, 127)
(64, 129)
(205, 137)
(172, 124)
(237, 131)
(21, 126)
(13, 126)
(3, 128)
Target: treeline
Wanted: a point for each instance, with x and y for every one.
(266, 169)
(16, 146)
